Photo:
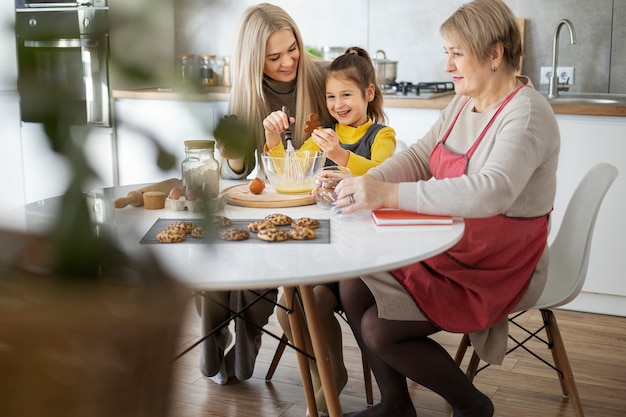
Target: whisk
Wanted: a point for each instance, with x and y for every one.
(292, 171)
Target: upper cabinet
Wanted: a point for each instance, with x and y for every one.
(142, 43)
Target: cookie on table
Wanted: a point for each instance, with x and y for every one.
(272, 234)
(221, 221)
(171, 236)
(234, 234)
(305, 222)
(182, 227)
(302, 233)
(278, 219)
(257, 225)
(198, 232)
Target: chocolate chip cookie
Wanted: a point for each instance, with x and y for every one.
(171, 236)
(272, 234)
(257, 225)
(278, 219)
(302, 233)
(306, 222)
(234, 234)
(181, 227)
(198, 232)
(221, 221)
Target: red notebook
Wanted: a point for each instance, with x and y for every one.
(397, 217)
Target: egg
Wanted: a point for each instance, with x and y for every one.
(256, 186)
(191, 194)
(176, 193)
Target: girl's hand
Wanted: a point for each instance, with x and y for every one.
(328, 142)
(274, 124)
(365, 193)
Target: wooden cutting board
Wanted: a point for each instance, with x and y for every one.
(240, 195)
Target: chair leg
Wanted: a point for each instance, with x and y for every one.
(473, 366)
(559, 355)
(277, 355)
(460, 352)
(367, 378)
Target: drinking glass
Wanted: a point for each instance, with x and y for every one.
(325, 183)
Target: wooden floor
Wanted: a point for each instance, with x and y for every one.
(522, 386)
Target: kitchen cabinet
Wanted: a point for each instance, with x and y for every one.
(586, 141)
(47, 174)
(142, 123)
(411, 124)
(11, 167)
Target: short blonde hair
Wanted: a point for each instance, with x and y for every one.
(482, 24)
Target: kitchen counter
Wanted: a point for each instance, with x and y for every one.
(165, 93)
(222, 94)
(559, 108)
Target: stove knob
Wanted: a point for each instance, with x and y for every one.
(32, 22)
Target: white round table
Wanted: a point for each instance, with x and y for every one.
(356, 247)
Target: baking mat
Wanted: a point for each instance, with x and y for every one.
(323, 232)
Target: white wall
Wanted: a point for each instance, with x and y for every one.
(408, 30)
(12, 194)
(208, 26)
(8, 63)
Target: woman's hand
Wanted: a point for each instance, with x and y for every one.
(328, 142)
(274, 124)
(365, 193)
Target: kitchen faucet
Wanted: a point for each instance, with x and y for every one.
(553, 92)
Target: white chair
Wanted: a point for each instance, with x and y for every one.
(569, 259)
(400, 145)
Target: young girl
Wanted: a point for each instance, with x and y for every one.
(357, 140)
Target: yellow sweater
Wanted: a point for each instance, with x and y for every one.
(384, 146)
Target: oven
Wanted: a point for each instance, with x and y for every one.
(62, 54)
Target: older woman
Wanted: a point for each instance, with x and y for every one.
(491, 158)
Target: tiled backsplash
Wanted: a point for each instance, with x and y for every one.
(410, 35)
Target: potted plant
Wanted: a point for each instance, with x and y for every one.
(85, 328)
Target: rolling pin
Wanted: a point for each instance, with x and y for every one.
(135, 198)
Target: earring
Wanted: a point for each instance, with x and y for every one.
(494, 68)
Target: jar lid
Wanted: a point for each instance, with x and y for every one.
(200, 144)
(207, 56)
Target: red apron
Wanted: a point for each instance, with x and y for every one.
(477, 282)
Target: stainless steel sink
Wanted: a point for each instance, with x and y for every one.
(588, 98)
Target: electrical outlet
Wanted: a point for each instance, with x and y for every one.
(564, 74)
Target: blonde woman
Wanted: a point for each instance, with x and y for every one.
(270, 69)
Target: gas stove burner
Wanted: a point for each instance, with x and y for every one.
(435, 87)
(407, 89)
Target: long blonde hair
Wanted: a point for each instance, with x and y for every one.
(247, 98)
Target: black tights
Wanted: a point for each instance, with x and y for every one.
(396, 350)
